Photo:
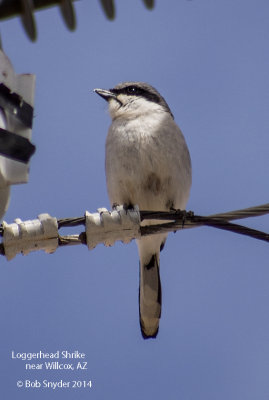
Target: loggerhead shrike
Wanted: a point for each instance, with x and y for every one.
(147, 164)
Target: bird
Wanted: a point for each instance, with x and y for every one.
(147, 164)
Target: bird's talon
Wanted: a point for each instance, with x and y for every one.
(114, 206)
(127, 207)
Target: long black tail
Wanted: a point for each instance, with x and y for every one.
(150, 297)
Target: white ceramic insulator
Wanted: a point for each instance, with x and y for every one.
(26, 236)
(109, 226)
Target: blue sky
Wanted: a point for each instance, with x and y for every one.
(210, 61)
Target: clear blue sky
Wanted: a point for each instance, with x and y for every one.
(210, 61)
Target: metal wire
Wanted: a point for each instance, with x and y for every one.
(183, 220)
(197, 220)
(178, 219)
(243, 213)
(219, 221)
(227, 216)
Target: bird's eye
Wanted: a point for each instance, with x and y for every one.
(132, 90)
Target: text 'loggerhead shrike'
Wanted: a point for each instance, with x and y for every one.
(147, 164)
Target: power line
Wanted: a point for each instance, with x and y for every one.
(121, 223)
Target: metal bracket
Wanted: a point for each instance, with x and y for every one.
(15, 146)
(15, 104)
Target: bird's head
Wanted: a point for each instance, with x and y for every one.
(132, 99)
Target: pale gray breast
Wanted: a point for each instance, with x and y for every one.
(148, 164)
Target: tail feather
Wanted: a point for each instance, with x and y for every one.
(150, 297)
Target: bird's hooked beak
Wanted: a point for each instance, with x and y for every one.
(106, 94)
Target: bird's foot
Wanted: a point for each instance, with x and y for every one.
(114, 206)
(126, 206)
(183, 214)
